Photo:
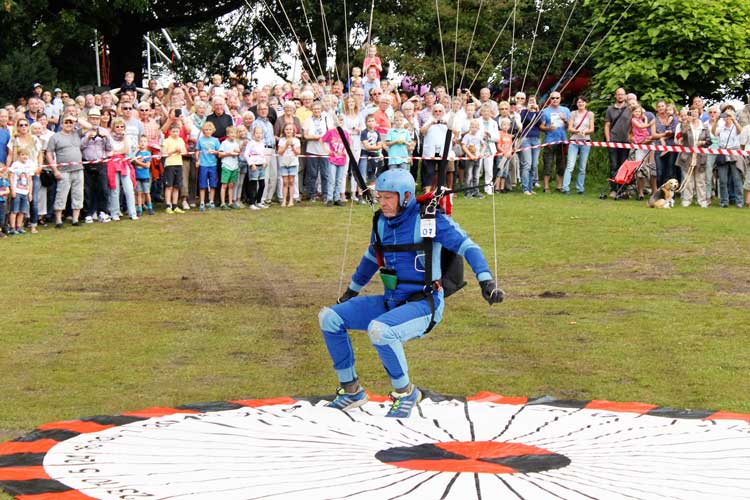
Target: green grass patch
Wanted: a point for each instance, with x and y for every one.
(605, 300)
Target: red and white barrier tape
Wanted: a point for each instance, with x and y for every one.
(596, 144)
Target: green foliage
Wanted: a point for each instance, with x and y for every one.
(17, 76)
(674, 49)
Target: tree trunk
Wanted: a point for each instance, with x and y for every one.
(125, 54)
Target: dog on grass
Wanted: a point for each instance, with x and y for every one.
(664, 196)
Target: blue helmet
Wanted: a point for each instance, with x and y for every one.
(398, 181)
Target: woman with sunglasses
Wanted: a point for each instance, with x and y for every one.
(23, 140)
(120, 172)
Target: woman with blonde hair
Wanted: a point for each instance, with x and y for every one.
(23, 139)
(120, 172)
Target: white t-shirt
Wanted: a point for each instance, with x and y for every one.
(288, 158)
(22, 174)
(230, 162)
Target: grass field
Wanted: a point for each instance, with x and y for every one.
(605, 300)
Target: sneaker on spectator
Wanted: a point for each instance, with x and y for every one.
(235, 205)
(211, 206)
(116, 218)
(185, 205)
(254, 207)
(224, 206)
(262, 205)
(202, 208)
(346, 401)
(338, 203)
(329, 203)
(169, 211)
(103, 217)
(58, 225)
(135, 217)
(403, 404)
(89, 219)
(178, 210)
(151, 211)
(13, 232)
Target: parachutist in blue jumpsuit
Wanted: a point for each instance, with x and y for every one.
(408, 308)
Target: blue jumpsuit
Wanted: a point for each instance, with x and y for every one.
(389, 319)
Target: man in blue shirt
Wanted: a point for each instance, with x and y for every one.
(554, 123)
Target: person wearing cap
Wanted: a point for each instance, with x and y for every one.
(64, 157)
(96, 147)
(37, 90)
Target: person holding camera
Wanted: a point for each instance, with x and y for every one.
(434, 132)
(96, 147)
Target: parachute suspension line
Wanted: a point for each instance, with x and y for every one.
(494, 234)
(250, 9)
(346, 242)
(300, 48)
(622, 14)
(497, 38)
(539, 116)
(583, 43)
(455, 49)
(533, 41)
(331, 47)
(512, 50)
(309, 30)
(471, 43)
(559, 41)
(346, 40)
(442, 47)
(369, 27)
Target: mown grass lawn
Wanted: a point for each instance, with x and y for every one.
(605, 300)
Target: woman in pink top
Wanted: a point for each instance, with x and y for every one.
(336, 164)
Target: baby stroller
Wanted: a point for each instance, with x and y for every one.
(626, 175)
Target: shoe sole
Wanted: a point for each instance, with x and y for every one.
(355, 404)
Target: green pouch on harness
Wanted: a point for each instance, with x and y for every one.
(388, 276)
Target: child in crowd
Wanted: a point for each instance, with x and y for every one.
(373, 60)
(336, 163)
(208, 178)
(505, 152)
(254, 155)
(398, 141)
(4, 193)
(289, 149)
(21, 172)
(174, 147)
(142, 162)
(373, 148)
(230, 168)
(242, 162)
(471, 145)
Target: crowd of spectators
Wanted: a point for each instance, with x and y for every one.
(207, 145)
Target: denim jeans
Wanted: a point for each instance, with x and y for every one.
(725, 170)
(336, 180)
(529, 163)
(34, 219)
(314, 166)
(124, 182)
(583, 157)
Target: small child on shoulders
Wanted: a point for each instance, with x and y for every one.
(21, 173)
(142, 160)
(230, 168)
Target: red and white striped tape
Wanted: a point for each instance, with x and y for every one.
(596, 144)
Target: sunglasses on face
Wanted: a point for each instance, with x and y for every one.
(68, 122)
(126, 109)
(23, 124)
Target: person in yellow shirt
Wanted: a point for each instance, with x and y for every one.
(174, 147)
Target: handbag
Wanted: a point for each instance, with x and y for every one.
(46, 177)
